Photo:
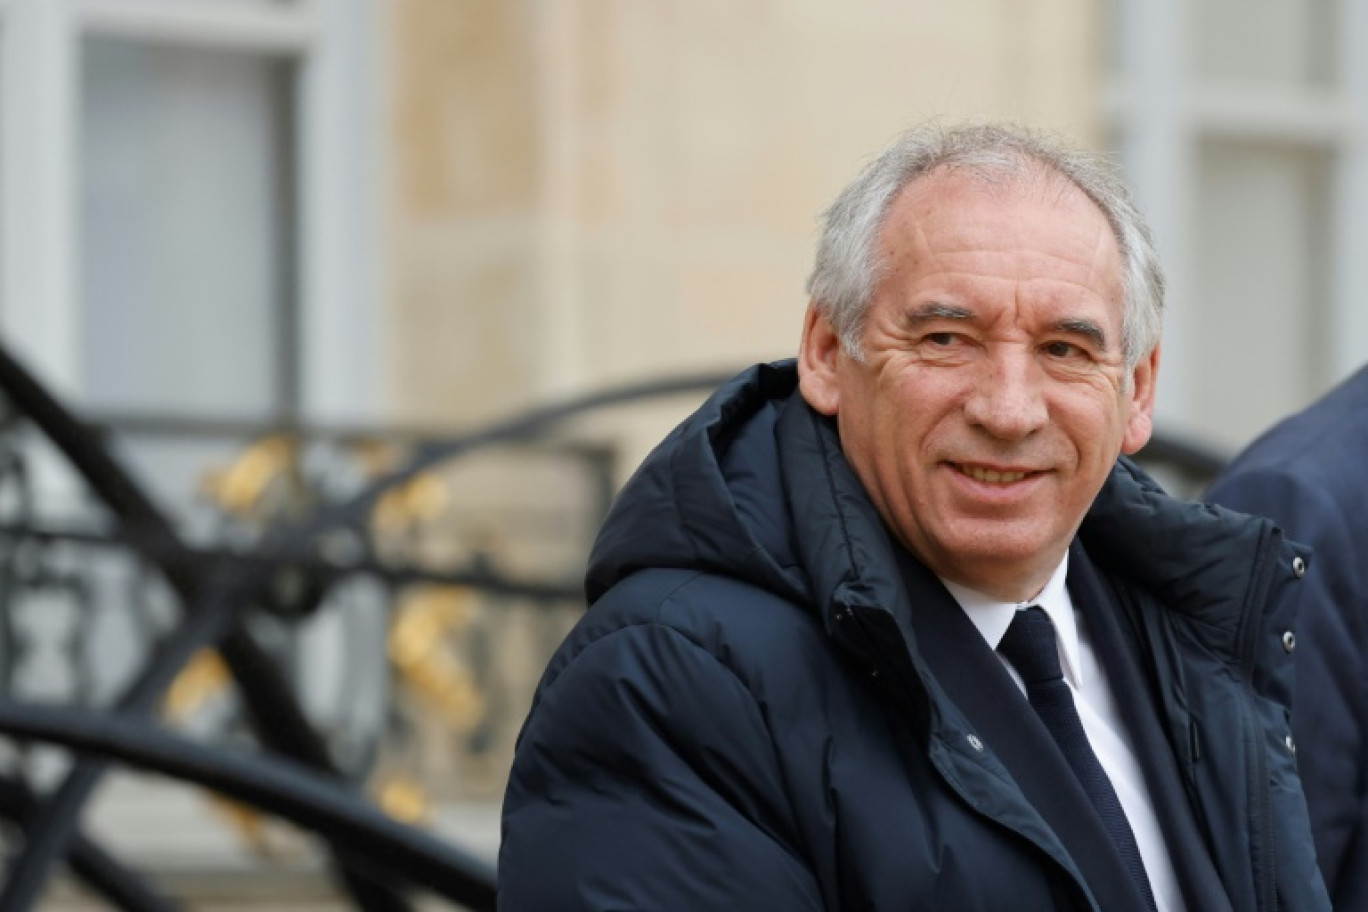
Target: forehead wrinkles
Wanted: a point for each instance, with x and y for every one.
(1106, 266)
(1083, 242)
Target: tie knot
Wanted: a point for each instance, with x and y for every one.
(1029, 644)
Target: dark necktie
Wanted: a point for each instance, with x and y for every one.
(1029, 645)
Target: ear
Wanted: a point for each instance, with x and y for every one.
(818, 358)
(1140, 423)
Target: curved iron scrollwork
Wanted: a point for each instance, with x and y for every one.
(291, 791)
(282, 554)
(214, 590)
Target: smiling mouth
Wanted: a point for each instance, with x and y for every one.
(991, 476)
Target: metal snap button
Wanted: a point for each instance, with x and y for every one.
(1298, 567)
(1289, 640)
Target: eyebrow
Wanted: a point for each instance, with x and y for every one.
(925, 313)
(1085, 328)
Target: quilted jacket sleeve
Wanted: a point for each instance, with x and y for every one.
(645, 778)
(1330, 716)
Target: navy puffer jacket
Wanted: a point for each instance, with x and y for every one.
(742, 720)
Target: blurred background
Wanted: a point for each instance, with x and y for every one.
(283, 257)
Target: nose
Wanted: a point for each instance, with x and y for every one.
(1007, 400)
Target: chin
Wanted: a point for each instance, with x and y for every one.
(1003, 558)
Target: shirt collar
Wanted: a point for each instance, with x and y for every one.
(993, 617)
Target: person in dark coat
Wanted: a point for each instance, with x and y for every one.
(1308, 474)
(896, 626)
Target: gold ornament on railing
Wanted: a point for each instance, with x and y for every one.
(244, 488)
(404, 799)
(205, 676)
(419, 647)
(423, 498)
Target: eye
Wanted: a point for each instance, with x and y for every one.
(944, 345)
(1063, 350)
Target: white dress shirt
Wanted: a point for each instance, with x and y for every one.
(1097, 710)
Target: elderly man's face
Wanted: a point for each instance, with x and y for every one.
(993, 399)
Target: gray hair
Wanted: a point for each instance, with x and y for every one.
(848, 267)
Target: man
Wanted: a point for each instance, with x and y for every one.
(892, 628)
(1307, 473)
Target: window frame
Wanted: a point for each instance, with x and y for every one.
(1162, 114)
(333, 44)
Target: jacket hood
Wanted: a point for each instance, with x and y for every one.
(709, 497)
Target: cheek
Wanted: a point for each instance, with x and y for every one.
(1099, 431)
(874, 430)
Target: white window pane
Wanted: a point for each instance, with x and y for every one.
(1260, 293)
(1278, 41)
(186, 229)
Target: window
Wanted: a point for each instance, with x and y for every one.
(1236, 121)
(185, 298)
(184, 203)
